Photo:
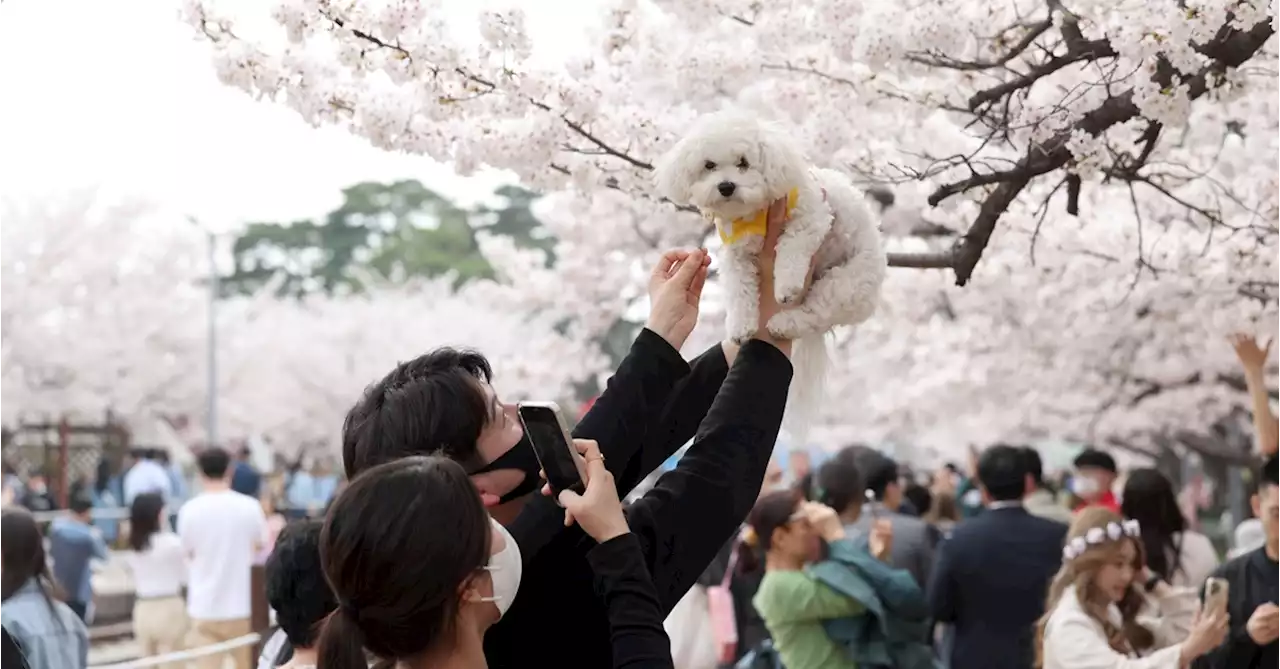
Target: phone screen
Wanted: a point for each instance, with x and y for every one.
(10, 655)
(551, 445)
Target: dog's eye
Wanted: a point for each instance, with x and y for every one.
(709, 165)
(743, 164)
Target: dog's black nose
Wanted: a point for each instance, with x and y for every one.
(726, 188)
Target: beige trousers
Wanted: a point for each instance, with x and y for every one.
(206, 632)
(159, 626)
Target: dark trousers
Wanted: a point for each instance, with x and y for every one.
(81, 609)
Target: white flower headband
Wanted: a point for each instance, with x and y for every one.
(1097, 536)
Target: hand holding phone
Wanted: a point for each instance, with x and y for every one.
(597, 511)
(548, 433)
(1215, 595)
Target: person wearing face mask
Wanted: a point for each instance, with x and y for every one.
(1095, 475)
(420, 571)
(732, 396)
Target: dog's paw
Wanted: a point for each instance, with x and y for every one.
(740, 333)
(787, 292)
(785, 325)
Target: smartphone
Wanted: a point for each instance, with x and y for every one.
(1215, 594)
(10, 655)
(548, 432)
(871, 504)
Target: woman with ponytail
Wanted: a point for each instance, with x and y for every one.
(420, 571)
(1097, 616)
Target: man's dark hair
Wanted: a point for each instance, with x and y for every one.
(1034, 465)
(1092, 457)
(1002, 471)
(80, 503)
(880, 471)
(1267, 475)
(296, 589)
(432, 404)
(919, 497)
(213, 462)
(838, 483)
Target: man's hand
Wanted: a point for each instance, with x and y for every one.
(675, 291)
(1264, 624)
(1252, 357)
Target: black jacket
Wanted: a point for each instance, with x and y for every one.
(1252, 578)
(990, 580)
(657, 401)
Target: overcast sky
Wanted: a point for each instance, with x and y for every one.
(120, 94)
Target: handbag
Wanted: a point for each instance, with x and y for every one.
(724, 622)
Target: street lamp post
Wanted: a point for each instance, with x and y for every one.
(211, 342)
(212, 381)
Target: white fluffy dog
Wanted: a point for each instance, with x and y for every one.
(732, 166)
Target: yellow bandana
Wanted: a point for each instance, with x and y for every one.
(756, 225)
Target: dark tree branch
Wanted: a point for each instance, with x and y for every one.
(1231, 48)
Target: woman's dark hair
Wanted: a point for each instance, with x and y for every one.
(772, 510)
(395, 547)
(144, 519)
(1149, 499)
(838, 483)
(22, 557)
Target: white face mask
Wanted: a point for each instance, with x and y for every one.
(504, 569)
(1084, 486)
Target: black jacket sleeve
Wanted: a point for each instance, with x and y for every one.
(621, 417)
(692, 511)
(618, 421)
(683, 411)
(635, 620)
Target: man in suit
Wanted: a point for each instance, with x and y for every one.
(913, 543)
(991, 577)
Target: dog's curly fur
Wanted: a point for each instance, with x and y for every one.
(756, 162)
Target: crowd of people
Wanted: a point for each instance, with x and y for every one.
(448, 549)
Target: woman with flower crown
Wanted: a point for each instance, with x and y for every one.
(1097, 616)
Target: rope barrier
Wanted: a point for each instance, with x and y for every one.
(184, 655)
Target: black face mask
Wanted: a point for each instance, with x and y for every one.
(519, 457)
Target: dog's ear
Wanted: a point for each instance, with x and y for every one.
(783, 164)
(672, 174)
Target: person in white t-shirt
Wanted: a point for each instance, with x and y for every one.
(221, 530)
(147, 475)
(158, 564)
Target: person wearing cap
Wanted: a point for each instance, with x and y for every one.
(1094, 478)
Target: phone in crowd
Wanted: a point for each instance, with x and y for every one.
(871, 504)
(10, 655)
(548, 432)
(1215, 594)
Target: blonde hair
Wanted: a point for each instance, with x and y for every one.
(1080, 572)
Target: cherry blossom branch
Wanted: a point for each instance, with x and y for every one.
(1231, 48)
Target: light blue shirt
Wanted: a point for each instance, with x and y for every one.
(146, 476)
(51, 634)
(307, 491)
(72, 544)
